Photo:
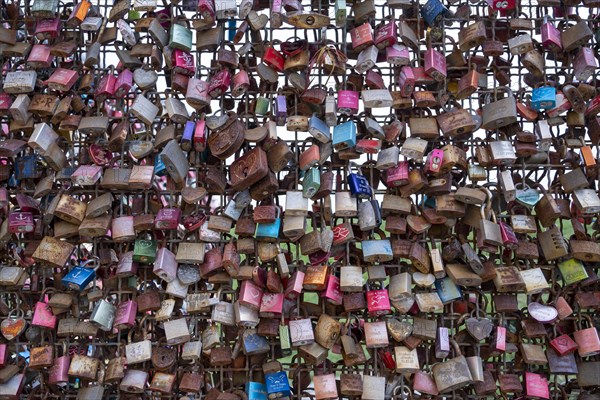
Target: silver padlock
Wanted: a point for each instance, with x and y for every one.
(103, 315)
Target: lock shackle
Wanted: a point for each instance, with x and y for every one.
(401, 392)
(456, 347)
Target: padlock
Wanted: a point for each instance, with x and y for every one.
(543, 98)
(433, 11)
(81, 276)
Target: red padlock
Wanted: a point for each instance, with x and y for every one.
(563, 345)
(362, 37)
(378, 302)
(274, 59)
(219, 83)
(183, 62)
(200, 134)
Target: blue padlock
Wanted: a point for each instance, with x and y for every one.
(319, 129)
(79, 277)
(429, 202)
(359, 186)
(256, 391)
(269, 231)
(377, 250)
(447, 290)
(26, 167)
(159, 167)
(344, 136)
(277, 385)
(188, 136)
(433, 11)
(543, 98)
(254, 344)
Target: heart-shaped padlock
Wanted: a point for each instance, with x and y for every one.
(526, 195)
(423, 280)
(399, 330)
(479, 328)
(14, 325)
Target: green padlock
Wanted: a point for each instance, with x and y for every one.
(572, 271)
(262, 106)
(340, 12)
(144, 251)
(284, 339)
(180, 38)
(133, 15)
(44, 8)
(311, 182)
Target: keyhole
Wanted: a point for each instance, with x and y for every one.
(245, 172)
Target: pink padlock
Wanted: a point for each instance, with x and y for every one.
(421, 77)
(213, 262)
(433, 165)
(43, 316)
(386, 34)
(219, 83)
(362, 36)
(593, 107)
(271, 305)
(165, 265)
(250, 295)
(536, 386)
(241, 83)
(167, 218)
(398, 175)
(59, 372)
(123, 83)
(200, 135)
(406, 81)
(5, 103)
(206, 8)
(122, 229)
(39, 56)
(332, 292)
(3, 197)
(20, 222)
(378, 302)
(47, 28)
(183, 62)
(551, 39)
(126, 267)
(125, 315)
(106, 87)
(62, 79)
(196, 94)
(347, 101)
(397, 54)
(293, 289)
(3, 354)
(585, 64)
(435, 64)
